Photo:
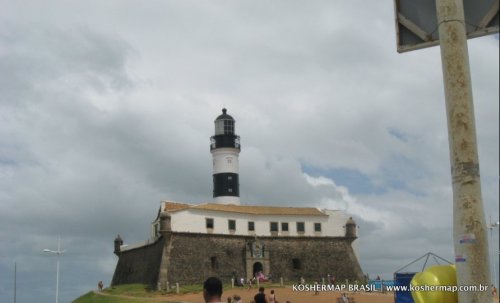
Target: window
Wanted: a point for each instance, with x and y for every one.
(301, 227)
(229, 190)
(284, 226)
(214, 263)
(210, 222)
(231, 224)
(317, 227)
(230, 177)
(228, 127)
(274, 226)
(156, 228)
(296, 264)
(251, 226)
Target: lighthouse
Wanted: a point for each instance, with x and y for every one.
(225, 148)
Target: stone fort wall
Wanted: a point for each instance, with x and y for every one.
(140, 265)
(190, 258)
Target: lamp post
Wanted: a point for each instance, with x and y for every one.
(15, 282)
(58, 253)
(491, 226)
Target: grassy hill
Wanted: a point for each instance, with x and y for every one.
(92, 297)
(134, 293)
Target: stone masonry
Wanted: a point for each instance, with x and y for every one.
(190, 258)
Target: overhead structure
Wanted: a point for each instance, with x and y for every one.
(417, 25)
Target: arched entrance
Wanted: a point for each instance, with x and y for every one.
(257, 267)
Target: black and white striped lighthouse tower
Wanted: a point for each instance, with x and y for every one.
(225, 148)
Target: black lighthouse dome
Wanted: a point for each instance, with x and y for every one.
(224, 116)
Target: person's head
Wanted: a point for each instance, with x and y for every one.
(212, 290)
(261, 289)
(272, 291)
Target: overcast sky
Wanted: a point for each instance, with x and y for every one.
(106, 108)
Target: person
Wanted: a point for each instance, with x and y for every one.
(272, 297)
(236, 299)
(249, 284)
(344, 298)
(212, 290)
(100, 285)
(260, 297)
(493, 290)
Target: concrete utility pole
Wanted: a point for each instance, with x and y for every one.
(469, 226)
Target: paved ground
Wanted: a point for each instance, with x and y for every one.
(284, 294)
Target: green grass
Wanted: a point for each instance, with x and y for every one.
(91, 297)
(136, 293)
(133, 290)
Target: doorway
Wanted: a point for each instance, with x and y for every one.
(257, 268)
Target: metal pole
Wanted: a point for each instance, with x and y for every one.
(57, 279)
(58, 253)
(469, 227)
(494, 266)
(57, 270)
(15, 281)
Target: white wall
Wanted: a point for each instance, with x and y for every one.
(194, 220)
(225, 160)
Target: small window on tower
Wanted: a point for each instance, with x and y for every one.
(230, 177)
(209, 223)
(156, 229)
(229, 160)
(230, 190)
(251, 226)
(228, 127)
